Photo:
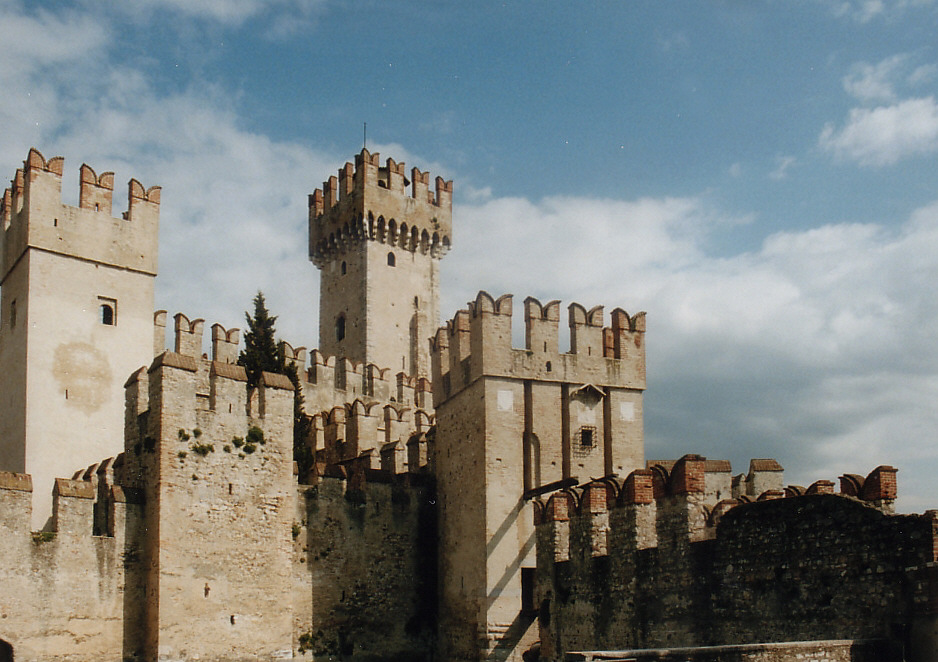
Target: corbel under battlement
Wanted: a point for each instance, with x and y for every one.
(370, 202)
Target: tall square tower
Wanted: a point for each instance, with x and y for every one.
(76, 317)
(378, 246)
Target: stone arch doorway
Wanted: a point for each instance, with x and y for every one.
(6, 651)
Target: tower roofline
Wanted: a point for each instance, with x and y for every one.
(371, 202)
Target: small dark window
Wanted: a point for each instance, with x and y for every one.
(548, 366)
(343, 268)
(340, 327)
(392, 261)
(587, 436)
(528, 580)
(107, 314)
(13, 313)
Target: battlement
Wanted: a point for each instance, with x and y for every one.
(370, 202)
(356, 379)
(477, 342)
(33, 216)
(671, 502)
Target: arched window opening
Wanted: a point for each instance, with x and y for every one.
(107, 311)
(344, 268)
(6, 651)
(392, 260)
(340, 327)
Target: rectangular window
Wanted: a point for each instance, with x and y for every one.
(528, 581)
(107, 311)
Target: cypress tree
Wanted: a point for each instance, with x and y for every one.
(262, 353)
(260, 344)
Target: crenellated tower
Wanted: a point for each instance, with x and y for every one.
(513, 424)
(377, 238)
(76, 307)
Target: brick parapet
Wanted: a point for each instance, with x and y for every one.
(368, 202)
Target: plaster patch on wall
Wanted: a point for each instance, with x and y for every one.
(587, 416)
(83, 373)
(627, 411)
(506, 400)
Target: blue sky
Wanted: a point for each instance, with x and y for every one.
(759, 176)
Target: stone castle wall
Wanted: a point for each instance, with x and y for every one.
(198, 541)
(631, 566)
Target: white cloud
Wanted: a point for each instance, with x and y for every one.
(864, 11)
(874, 83)
(804, 350)
(817, 348)
(286, 16)
(782, 165)
(886, 134)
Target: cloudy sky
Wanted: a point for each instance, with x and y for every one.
(759, 175)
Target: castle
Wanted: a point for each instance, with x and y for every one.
(468, 500)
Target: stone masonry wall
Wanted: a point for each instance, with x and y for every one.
(630, 566)
(364, 567)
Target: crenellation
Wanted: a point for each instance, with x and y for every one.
(159, 332)
(225, 344)
(95, 192)
(482, 499)
(73, 506)
(35, 217)
(6, 208)
(586, 331)
(370, 202)
(541, 327)
(477, 341)
(188, 335)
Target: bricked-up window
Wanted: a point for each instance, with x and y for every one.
(528, 581)
(107, 311)
(392, 260)
(340, 327)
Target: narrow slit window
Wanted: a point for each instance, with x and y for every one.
(340, 327)
(344, 268)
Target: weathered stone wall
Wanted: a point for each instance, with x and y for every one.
(62, 591)
(365, 567)
(815, 651)
(675, 570)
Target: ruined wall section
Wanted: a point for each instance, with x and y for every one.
(76, 299)
(636, 565)
(378, 248)
(512, 422)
